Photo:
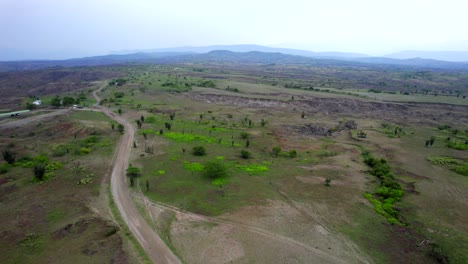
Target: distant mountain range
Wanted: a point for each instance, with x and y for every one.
(453, 56)
(244, 54)
(251, 47)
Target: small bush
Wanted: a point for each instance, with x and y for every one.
(292, 153)
(39, 171)
(245, 154)
(276, 150)
(84, 151)
(9, 156)
(4, 168)
(244, 135)
(199, 151)
(215, 170)
(462, 170)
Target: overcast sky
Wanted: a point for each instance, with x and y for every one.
(70, 28)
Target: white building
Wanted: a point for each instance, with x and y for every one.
(37, 102)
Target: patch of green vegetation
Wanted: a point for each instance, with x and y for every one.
(456, 165)
(444, 161)
(462, 170)
(389, 191)
(193, 166)
(33, 242)
(188, 137)
(252, 169)
(55, 216)
(391, 130)
(457, 144)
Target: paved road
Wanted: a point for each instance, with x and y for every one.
(154, 247)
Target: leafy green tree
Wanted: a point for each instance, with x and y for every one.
(68, 100)
(215, 170)
(142, 118)
(30, 106)
(120, 128)
(139, 124)
(119, 111)
(132, 173)
(56, 101)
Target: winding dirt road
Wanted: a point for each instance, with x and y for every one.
(154, 247)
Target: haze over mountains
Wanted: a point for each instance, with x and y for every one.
(253, 54)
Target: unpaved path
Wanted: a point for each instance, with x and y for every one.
(31, 119)
(154, 247)
(320, 255)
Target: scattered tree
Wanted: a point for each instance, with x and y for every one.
(215, 170)
(247, 143)
(132, 173)
(139, 123)
(245, 154)
(303, 114)
(112, 126)
(68, 100)
(327, 182)
(244, 135)
(56, 101)
(263, 122)
(9, 156)
(199, 151)
(362, 134)
(276, 150)
(142, 118)
(292, 153)
(39, 171)
(171, 116)
(120, 128)
(119, 111)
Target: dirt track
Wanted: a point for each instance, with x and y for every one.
(154, 247)
(28, 120)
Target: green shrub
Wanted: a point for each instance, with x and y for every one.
(276, 150)
(463, 170)
(199, 151)
(244, 135)
(292, 153)
(84, 151)
(457, 145)
(4, 168)
(9, 156)
(215, 170)
(59, 151)
(245, 154)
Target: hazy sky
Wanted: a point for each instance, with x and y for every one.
(70, 28)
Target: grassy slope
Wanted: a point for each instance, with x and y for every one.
(52, 221)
